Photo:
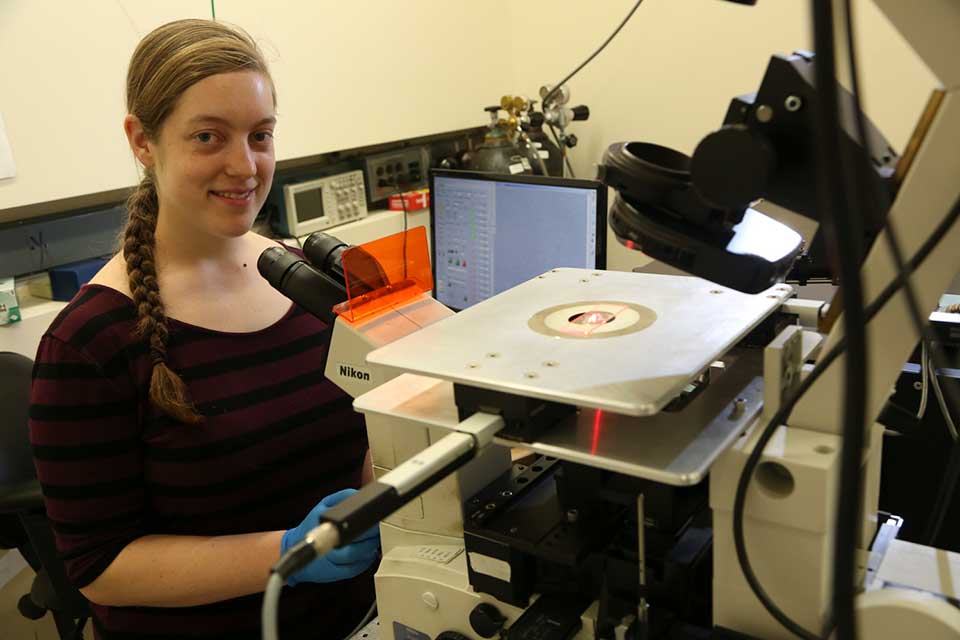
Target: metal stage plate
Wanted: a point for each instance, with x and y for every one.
(675, 448)
(659, 332)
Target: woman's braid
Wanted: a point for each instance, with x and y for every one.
(167, 390)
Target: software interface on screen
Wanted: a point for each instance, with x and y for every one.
(490, 236)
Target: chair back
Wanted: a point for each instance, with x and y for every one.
(18, 478)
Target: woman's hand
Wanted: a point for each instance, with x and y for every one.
(340, 563)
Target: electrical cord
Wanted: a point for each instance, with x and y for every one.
(546, 99)
(271, 604)
(944, 496)
(556, 87)
(563, 151)
(782, 415)
(951, 404)
(938, 392)
(367, 617)
(403, 203)
(924, 381)
(318, 543)
(837, 206)
(848, 523)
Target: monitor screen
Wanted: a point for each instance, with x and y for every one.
(309, 204)
(491, 232)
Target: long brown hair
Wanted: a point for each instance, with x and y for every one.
(167, 62)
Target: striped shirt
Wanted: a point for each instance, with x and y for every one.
(277, 437)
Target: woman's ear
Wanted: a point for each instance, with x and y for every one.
(139, 141)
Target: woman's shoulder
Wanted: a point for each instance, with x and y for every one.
(100, 308)
(113, 275)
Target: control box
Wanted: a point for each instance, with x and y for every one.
(399, 170)
(326, 202)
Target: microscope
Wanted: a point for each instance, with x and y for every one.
(565, 460)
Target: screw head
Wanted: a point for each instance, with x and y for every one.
(764, 113)
(793, 103)
(738, 409)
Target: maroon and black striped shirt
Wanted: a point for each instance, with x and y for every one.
(277, 438)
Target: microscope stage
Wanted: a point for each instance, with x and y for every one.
(622, 342)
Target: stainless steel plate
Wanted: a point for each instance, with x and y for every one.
(675, 448)
(621, 342)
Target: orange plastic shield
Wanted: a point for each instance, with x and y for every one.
(385, 273)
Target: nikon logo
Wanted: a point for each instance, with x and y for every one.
(349, 372)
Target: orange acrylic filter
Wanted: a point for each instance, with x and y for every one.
(385, 273)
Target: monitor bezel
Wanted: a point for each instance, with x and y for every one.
(599, 187)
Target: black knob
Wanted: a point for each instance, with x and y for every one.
(731, 167)
(571, 140)
(486, 620)
(536, 119)
(581, 112)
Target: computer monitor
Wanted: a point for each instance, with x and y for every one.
(490, 232)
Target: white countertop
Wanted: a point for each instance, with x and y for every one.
(23, 337)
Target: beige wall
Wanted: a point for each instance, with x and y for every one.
(348, 74)
(62, 71)
(356, 73)
(671, 72)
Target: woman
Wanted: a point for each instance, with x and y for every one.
(180, 421)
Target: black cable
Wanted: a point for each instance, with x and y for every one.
(556, 87)
(403, 203)
(944, 495)
(563, 151)
(838, 211)
(545, 101)
(783, 414)
(878, 201)
(269, 224)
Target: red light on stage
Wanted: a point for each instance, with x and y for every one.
(594, 443)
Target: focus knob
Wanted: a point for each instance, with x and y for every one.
(486, 620)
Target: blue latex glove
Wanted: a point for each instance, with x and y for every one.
(341, 563)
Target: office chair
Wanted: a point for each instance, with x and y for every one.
(23, 521)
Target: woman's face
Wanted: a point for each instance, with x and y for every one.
(214, 157)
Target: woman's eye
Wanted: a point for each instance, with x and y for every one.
(205, 137)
